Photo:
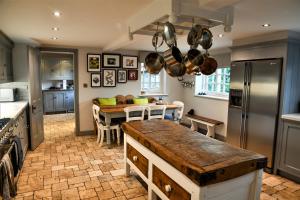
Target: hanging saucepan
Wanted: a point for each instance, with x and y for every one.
(194, 36)
(206, 39)
(209, 65)
(192, 60)
(169, 34)
(154, 61)
(174, 60)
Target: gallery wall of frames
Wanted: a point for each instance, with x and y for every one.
(108, 70)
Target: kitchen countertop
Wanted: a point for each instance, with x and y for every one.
(11, 110)
(292, 117)
(55, 90)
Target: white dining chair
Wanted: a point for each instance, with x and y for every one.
(179, 110)
(156, 111)
(134, 113)
(102, 128)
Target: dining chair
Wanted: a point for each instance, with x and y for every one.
(102, 128)
(156, 111)
(179, 110)
(134, 113)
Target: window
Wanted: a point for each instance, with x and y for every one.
(150, 83)
(215, 85)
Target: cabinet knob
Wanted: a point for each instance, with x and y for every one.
(134, 158)
(168, 188)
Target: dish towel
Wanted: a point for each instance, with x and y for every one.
(17, 155)
(8, 186)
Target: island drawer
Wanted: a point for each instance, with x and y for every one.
(169, 187)
(137, 159)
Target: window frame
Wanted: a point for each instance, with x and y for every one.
(202, 84)
(150, 90)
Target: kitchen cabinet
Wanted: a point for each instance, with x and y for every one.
(70, 101)
(57, 67)
(21, 130)
(289, 161)
(5, 64)
(58, 101)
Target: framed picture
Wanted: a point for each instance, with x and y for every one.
(132, 75)
(130, 62)
(93, 62)
(109, 78)
(111, 60)
(95, 80)
(122, 76)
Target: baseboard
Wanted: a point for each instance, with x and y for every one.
(220, 137)
(83, 133)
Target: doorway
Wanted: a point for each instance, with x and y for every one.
(59, 77)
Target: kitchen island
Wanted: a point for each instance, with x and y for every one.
(177, 163)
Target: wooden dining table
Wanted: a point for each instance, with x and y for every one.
(117, 111)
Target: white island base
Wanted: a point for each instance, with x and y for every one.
(246, 187)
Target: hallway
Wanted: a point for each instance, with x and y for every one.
(69, 167)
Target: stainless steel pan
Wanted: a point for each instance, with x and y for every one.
(169, 34)
(154, 62)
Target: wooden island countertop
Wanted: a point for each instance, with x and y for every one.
(202, 159)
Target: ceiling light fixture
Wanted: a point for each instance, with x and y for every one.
(56, 13)
(55, 28)
(221, 35)
(266, 25)
(54, 38)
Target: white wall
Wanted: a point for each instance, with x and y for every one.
(173, 88)
(207, 107)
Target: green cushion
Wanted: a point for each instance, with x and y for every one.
(107, 101)
(140, 101)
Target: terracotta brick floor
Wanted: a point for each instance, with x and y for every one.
(69, 167)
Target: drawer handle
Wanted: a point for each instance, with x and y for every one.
(168, 188)
(134, 158)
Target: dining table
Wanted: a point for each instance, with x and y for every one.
(117, 111)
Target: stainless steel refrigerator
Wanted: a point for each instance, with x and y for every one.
(254, 105)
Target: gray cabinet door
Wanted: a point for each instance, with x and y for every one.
(67, 68)
(290, 149)
(70, 101)
(49, 102)
(5, 64)
(59, 101)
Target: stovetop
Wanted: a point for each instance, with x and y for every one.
(3, 122)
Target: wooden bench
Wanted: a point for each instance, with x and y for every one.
(210, 123)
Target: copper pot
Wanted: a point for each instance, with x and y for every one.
(174, 60)
(209, 65)
(193, 60)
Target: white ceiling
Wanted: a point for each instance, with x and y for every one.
(96, 23)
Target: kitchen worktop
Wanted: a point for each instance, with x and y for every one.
(292, 117)
(55, 90)
(11, 110)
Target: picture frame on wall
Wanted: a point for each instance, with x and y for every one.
(122, 76)
(111, 60)
(93, 62)
(109, 78)
(95, 79)
(132, 75)
(130, 62)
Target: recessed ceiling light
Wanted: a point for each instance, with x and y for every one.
(266, 25)
(55, 28)
(56, 13)
(221, 35)
(54, 38)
